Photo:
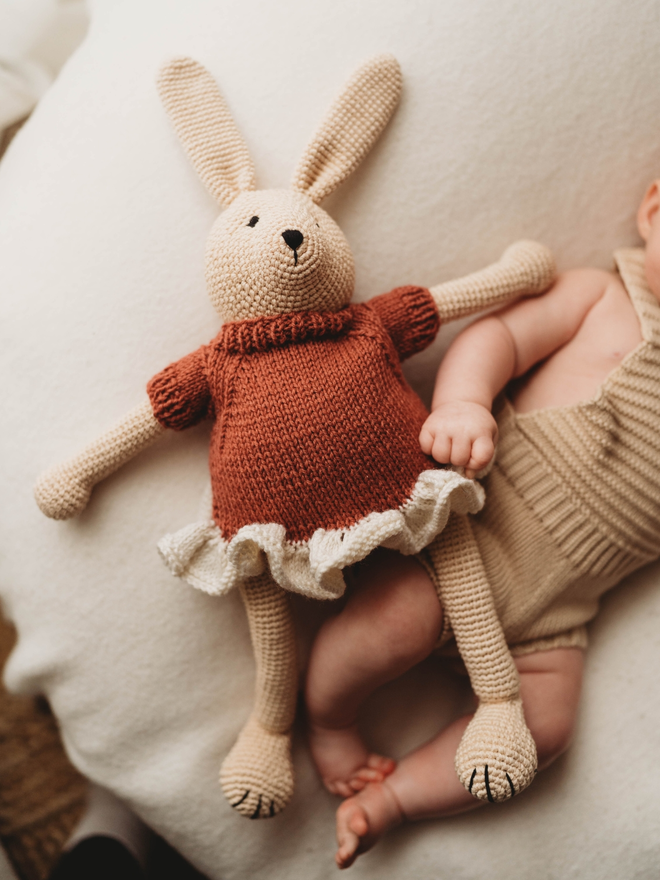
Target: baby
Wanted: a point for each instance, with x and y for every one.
(573, 506)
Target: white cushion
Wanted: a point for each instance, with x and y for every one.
(534, 120)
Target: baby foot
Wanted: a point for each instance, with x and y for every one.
(362, 819)
(343, 761)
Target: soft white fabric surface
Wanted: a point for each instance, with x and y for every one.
(518, 120)
(36, 38)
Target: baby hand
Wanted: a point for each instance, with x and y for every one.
(461, 433)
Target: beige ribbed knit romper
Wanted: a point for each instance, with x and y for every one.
(573, 499)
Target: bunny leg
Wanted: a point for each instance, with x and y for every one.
(257, 774)
(496, 758)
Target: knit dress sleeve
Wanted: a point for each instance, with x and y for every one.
(180, 394)
(409, 316)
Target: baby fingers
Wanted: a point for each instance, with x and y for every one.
(483, 450)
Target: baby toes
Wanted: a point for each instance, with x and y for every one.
(356, 784)
(381, 763)
(340, 788)
(375, 770)
(352, 826)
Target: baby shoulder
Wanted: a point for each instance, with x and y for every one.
(581, 292)
(542, 324)
(574, 293)
(587, 281)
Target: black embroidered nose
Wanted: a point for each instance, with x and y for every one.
(293, 238)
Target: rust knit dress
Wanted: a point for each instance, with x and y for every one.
(314, 457)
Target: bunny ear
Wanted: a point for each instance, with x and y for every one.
(206, 128)
(350, 128)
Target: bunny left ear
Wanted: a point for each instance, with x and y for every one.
(206, 129)
(350, 128)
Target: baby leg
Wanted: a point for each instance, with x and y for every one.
(425, 784)
(389, 624)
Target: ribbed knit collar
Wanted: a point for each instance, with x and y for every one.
(261, 334)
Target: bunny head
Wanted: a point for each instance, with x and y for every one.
(276, 251)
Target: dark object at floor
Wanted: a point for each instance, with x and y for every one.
(165, 863)
(102, 858)
(41, 795)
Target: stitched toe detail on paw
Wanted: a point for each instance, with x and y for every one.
(255, 805)
(496, 758)
(257, 775)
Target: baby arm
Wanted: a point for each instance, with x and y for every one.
(461, 429)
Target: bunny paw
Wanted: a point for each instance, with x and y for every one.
(496, 758)
(60, 493)
(257, 775)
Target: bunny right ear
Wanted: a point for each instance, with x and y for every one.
(206, 129)
(350, 128)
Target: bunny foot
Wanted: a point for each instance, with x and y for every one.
(257, 775)
(496, 758)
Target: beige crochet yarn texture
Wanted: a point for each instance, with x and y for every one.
(250, 275)
(496, 758)
(63, 491)
(259, 766)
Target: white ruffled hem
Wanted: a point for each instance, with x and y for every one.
(200, 555)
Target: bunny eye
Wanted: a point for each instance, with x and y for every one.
(253, 221)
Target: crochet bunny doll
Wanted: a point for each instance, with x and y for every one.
(314, 458)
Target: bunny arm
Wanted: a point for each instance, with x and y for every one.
(63, 490)
(526, 268)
